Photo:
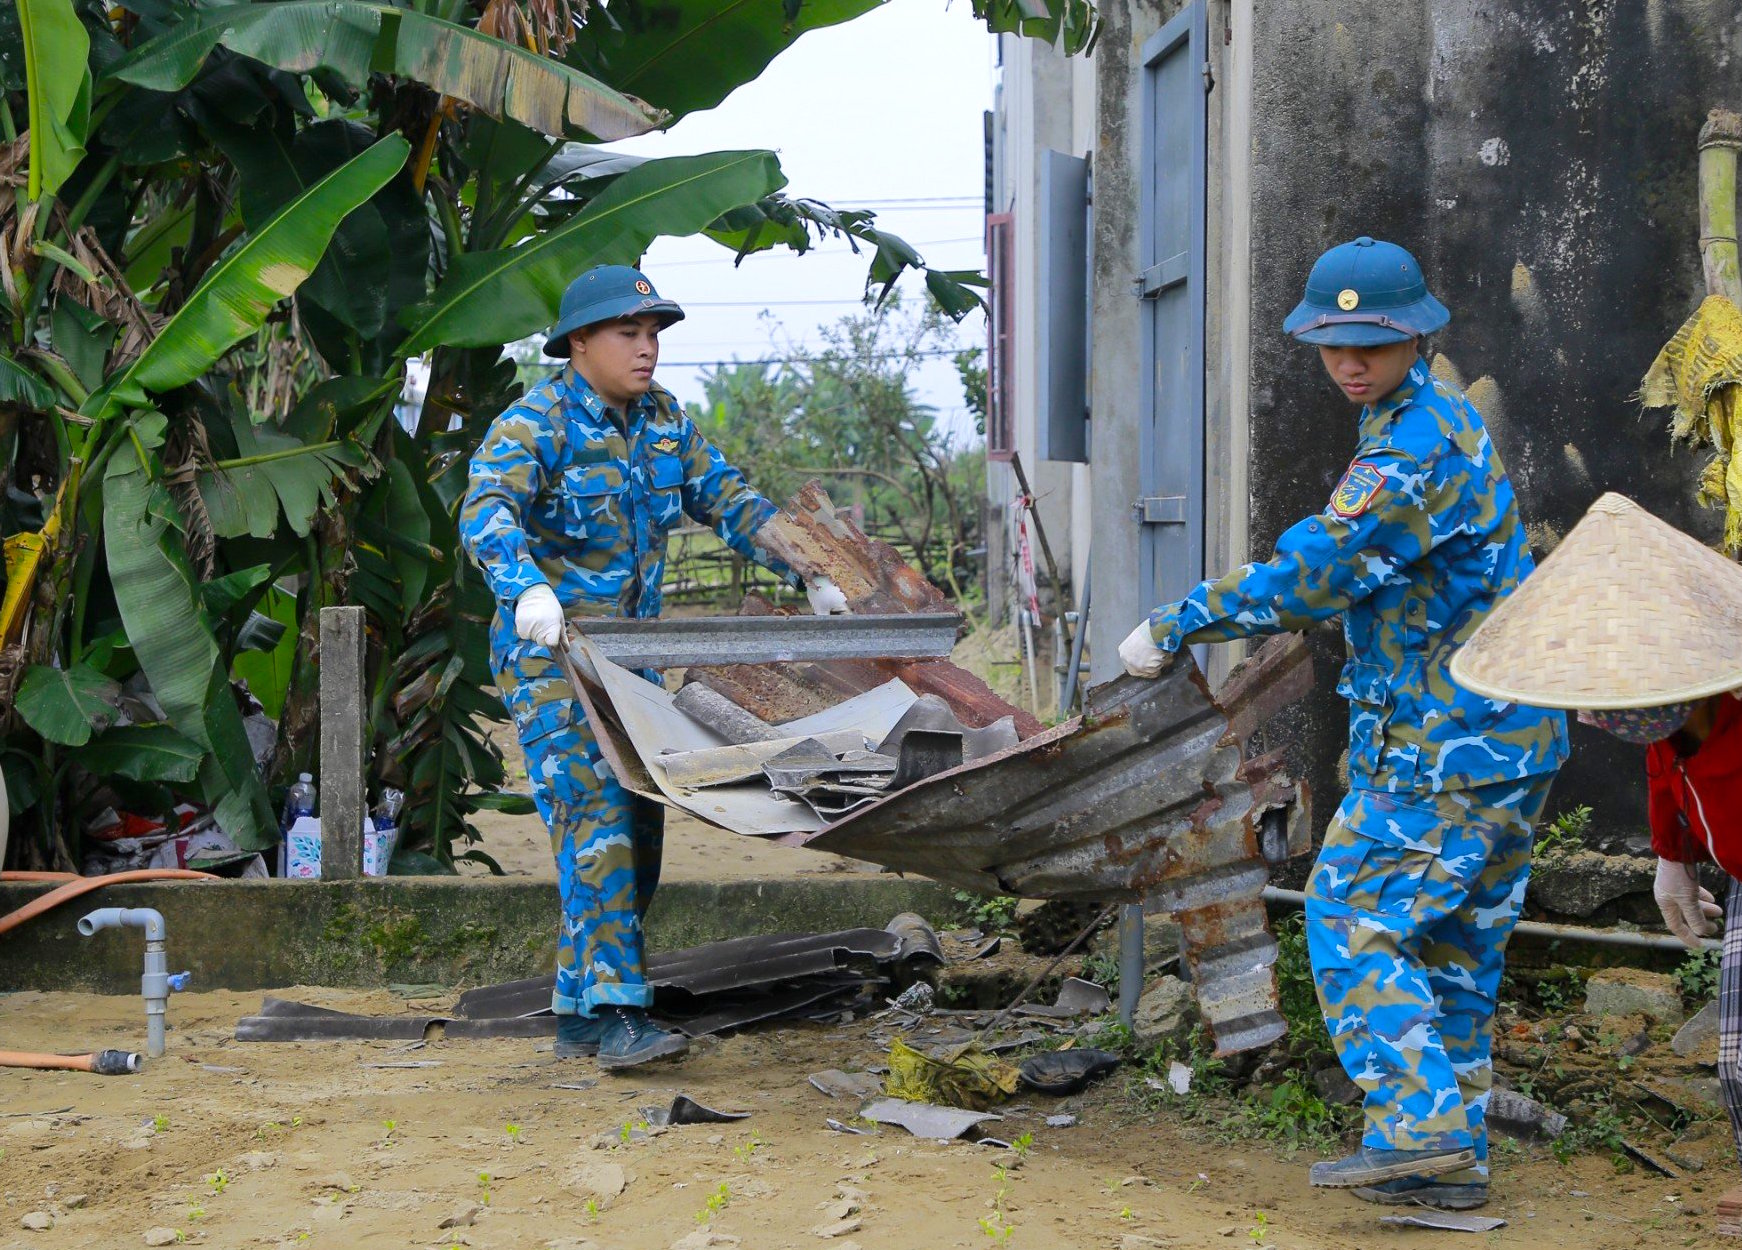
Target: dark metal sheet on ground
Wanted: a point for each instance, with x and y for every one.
(736, 963)
(686, 1110)
(749, 1007)
(281, 1020)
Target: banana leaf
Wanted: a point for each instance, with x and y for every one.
(234, 298)
(142, 753)
(158, 597)
(354, 38)
(273, 470)
(687, 55)
(494, 297)
(55, 48)
(66, 705)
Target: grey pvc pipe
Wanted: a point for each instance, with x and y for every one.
(1541, 929)
(154, 983)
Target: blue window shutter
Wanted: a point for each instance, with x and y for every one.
(1062, 310)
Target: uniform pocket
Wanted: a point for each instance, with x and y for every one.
(1378, 854)
(1366, 688)
(590, 498)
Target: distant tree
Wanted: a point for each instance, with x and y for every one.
(848, 414)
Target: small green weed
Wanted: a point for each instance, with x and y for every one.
(747, 1149)
(218, 1181)
(992, 912)
(1698, 975)
(484, 1187)
(1260, 1228)
(1022, 1145)
(591, 1208)
(196, 1213)
(160, 1122)
(513, 1131)
(1565, 834)
(1103, 970)
(717, 1202)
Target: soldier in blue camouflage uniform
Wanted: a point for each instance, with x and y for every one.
(1422, 872)
(571, 495)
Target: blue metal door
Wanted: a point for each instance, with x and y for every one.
(1170, 504)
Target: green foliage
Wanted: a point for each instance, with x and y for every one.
(245, 219)
(995, 913)
(1565, 834)
(1697, 974)
(1297, 994)
(847, 414)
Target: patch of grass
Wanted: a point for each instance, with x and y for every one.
(1296, 995)
(716, 1202)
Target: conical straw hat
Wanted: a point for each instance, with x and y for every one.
(1627, 612)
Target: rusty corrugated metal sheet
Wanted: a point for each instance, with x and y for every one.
(1146, 797)
(814, 539)
(1141, 798)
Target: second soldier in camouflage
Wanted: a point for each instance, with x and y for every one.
(570, 497)
(1422, 873)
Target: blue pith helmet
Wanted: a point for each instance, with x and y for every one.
(1365, 293)
(605, 293)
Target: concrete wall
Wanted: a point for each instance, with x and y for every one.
(1539, 159)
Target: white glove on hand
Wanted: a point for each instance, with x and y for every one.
(826, 598)
(1140, 656)
(538, 617)
(1689, 910)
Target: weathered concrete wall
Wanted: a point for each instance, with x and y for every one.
(1539, 159)
(264, 935)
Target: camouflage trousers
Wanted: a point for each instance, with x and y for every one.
(608, 842)
(1409, 909)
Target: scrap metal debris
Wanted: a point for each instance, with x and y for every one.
(838, 1084)
(1077, 997)
(1148, 796)
(1061, 1072)
(686, 1110)
(924, 1120)
(1450, 1221)
(702, 990)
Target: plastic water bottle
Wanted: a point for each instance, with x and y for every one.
(300, 801)
(387, 810)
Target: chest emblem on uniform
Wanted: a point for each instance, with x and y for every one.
(666, 446)
(1356, 490)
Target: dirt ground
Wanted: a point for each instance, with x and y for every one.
(362, 1145)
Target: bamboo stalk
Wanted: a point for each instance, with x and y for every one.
(1720, 140)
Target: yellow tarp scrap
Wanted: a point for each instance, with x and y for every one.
(968, 1077)
(1699, 375)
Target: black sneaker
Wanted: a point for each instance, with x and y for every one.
(1368, 1167)
(1425, 1192)
(630, 1039)
(577, 1037)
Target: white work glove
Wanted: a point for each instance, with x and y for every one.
(1688, 909)
(538, 617)
(1140, 656)
(826, 598)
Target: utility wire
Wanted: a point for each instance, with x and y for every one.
(809, 360)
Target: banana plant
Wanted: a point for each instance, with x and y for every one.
(227, 231)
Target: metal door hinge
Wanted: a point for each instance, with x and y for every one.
(1209, 78)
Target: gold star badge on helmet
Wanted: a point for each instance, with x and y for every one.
(1348, 298)
(644, 289)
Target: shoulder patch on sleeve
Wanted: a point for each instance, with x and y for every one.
(1360, 483)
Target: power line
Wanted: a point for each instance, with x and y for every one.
(810, 360)
(728, 258)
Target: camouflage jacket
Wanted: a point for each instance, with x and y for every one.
(561, 492)
(1420, 540)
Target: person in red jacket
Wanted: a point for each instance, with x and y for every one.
(1639, 627)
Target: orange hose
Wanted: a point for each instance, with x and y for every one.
(84, 885)
(39, 876)
(27, 1059)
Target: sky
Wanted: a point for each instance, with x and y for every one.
(882, 112)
